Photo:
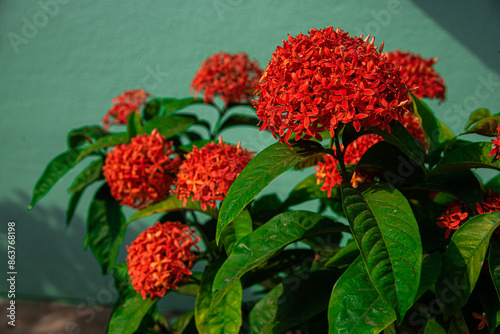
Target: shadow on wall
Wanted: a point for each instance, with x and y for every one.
(460, 19)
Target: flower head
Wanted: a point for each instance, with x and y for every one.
(456, 215)
(233, 77)
(208, 172)
(315, 82)
(421, 74)
(495, 151)
(123, 105)
(160, 258)
(142, 172)
(490, 203)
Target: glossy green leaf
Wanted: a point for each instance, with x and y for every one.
(104, 142)
(463, 261)
(477, 115)
(458, 325)
(182, 322)
(169, 205)
(77, 138)
(190, 289)
(130, 309)
(266, 207)
(388, 237)
(485, 127)
(260, 171)
(494, 263)
(299, 298)
(466, 156)
(105, 228)
(226, 317)
(344, 257)
(169, 125)
(434, 327)
(313, 160)
(56, 169)
(134, 125)
(435, 131)
(73, 202)
(431, 268)
(355, 304)
(260, 245)
(236, 230)
(87, 176)
(308, 190)
(237, 120)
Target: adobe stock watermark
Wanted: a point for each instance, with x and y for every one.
(222, 6)
(153, 78)
(31, 25)
(381, 19)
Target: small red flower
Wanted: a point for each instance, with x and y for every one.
(123, 105)
(495, 151)
(233, 77)
(141, 173)
(490, 203)
(456, 215)
(315, 82)
(482, 324)
(160, 258)
(421, 74)
(208, 172)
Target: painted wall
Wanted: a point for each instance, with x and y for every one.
(61, 62)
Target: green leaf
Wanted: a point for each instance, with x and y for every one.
(80, 137)
(355, 304)
(260, 171)
(235, 231)
(163, 106)
(105, 228)
(491, 304)
(236, 120)
(344, 257)
(169, 205)
(189, 289)
(266, 207)
(434, 327)
(170, 125)
(494, 184)
(56, 169)
(435, 131)
(226, 317)
(87, 176)
(477, 115)
(387, 235)
(299, 298)
(73, 202)
(182, 322)
(111, 140)
(458, 324)
(431, 268)
(494, 263)
(463, 261)
(134, 126)
(485, 127)
(308, 190)
(313, 160)
(130, 309)
(466, 155)
(260, 245)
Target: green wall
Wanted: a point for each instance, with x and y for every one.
(63, 60)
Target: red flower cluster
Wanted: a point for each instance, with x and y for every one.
(495, 151)
(421, 74)
(123, 105)
(141, 173)
(160, 257)
(208, 172)
(457, 212)
(315, 82)
(233, 77)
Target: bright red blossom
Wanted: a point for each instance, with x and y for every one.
(123, 105)
(160, 258)
(208, 172)
(315, 82)
(421, 74)
(495, 151)
(141, 173)
(233, 77)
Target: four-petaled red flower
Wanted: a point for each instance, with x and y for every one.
(160, 258)
(208, 172)
(141, 172)
(123, 105)
(482, 324)
(495, 151)
(421, 74)
(233, 77)
(315, 82)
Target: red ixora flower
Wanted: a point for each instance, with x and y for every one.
(495, 151)
(160, 258)
(142, 172)
(421, 74)
(208, 172)
(123, 105)
(233, 77)
(315, 82)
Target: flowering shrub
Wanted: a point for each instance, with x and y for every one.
(403, 236)
(123, 105)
